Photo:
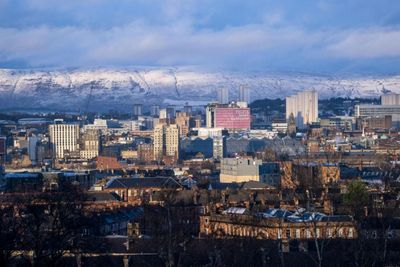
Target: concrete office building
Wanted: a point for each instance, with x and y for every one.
(64, 138)
(379, 111)
(240, 170)
(304, 107)
(230, 117)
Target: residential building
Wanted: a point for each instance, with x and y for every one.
(137, 109)
(159, 141)
(184, 122)
(166, 141)
(145, 152)
(304, 107)
(172, 139)
(277, 224)
(155, 110)
(244, 94)
(223, 95)
(390, 99)
(64, 138)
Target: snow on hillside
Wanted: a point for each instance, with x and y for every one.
(107, 88)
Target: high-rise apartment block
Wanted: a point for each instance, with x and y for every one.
(223, 95)
(185, 123)
(155, 110)
(244, 94)
(64, 138)
(172, 141)
(137, 109)
(166, 141)
(159, 141)
(390, 99)
(304, 107)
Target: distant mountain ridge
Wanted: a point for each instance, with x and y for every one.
(102, 89)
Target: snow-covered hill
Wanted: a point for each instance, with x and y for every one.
(108, 88)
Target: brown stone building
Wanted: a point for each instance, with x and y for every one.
(382, 122)
(145, 152)
(242, 225)
(140, 190)
(315, 175)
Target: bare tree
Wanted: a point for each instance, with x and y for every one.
(51, 225)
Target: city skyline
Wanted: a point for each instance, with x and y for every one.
(199, 133)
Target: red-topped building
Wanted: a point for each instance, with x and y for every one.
(232, 118)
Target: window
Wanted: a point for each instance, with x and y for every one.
(287, 233)
(298, 233)
(340, 232)
(350, 232)
(308, 233)
(318, 233)
(329, 233)
(279, 233)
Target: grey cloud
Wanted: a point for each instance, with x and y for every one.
(179, 43)
(368, 44)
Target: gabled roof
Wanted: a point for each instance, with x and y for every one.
(254, 185)
(148, 182)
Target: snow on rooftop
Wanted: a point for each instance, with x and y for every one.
(234, 210)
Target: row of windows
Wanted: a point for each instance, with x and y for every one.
(237, 230)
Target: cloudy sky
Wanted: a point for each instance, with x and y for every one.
(352, 36)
